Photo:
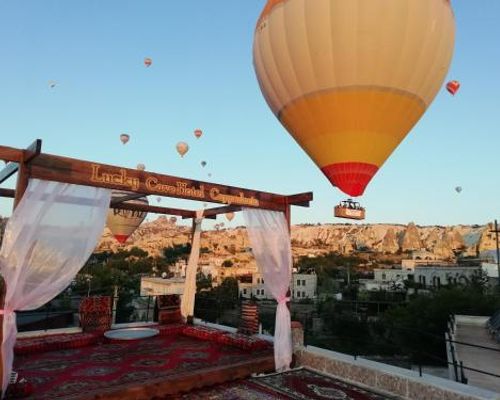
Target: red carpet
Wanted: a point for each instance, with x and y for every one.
(70, 373)
(294, 385)
(304, 384)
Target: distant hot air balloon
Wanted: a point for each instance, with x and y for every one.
(182, 148)
(203, 164)
(173, 220)
(148, 61)
(453, 87)
(123, 223)
(124, 138)
(141, 167)
(230, 216)
(209, 175)
(52, 84)
(349, 79)
(158, 199)
(458, 189)
(198, 133)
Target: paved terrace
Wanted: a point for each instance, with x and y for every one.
(472, 330)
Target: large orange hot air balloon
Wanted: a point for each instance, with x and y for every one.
(350, 78)
(123, 223)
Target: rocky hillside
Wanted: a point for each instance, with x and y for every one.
(443, 241)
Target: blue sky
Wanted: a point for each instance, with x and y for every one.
(202, 76)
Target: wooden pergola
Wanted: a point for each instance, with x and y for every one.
(32, 163)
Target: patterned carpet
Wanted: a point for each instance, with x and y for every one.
(69, 373)
(293, 385)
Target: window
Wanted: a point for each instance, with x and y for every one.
(262, 292)
(303, 294)
(383, 277)
(244, 291)
(298, 282)
(262, 280)
(298, 293)
(303, 282)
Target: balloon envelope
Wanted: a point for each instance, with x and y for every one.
(141, 167)
(453, 87)
(173, 220)
(182, 148)
(349, 79)
(124, 138)
(203, 164)
(148, 61)
(458, 189)
(198, 133)
(123, 223)
(230, 216)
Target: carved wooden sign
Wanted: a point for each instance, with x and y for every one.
(62, 169)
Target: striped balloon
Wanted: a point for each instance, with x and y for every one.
(350, 78)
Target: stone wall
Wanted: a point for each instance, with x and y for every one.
(387, 379)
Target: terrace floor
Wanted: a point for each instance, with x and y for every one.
(143, 369)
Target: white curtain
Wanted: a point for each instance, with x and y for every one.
(270, 241)
(189, 294)
(48, 238)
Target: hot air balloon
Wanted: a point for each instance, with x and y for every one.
(173, 220)
(458, 189)
(123, 223)
(349, 79)
(209, 175)
(52, 84)
(230, 216)
(158, 199)
(182, 148)
(198, 133)
(203, 164)
(124, 138)
(453, 87)
(141, 167)
(148, 61)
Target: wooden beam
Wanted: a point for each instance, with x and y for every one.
(63, 169)
(213, 212)
(7, 193)
(11, 154)
(156, 209)
(32, 151)
(9, 170)
(301, 199)
(123, 199)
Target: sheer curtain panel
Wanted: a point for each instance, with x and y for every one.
(189, 294)
(270, 241)
(48, 239)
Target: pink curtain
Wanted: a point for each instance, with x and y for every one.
(270, 240)
(48, 238)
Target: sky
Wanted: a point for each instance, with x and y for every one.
(202, 77)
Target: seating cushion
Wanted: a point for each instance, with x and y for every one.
(243, 341)
(62, 341)
(203, 332)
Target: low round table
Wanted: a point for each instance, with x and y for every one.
(131, 333)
